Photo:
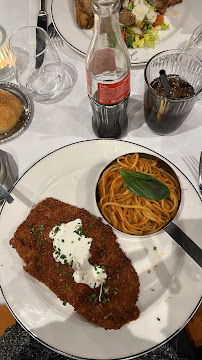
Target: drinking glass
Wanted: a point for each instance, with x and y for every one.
(162, 114)
(194, 45)
(38, 68)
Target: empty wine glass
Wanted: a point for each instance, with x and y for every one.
(38, 68)
(194, 45)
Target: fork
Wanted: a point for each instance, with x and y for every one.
(195, 168)
(54, 35)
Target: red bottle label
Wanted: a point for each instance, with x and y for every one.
(110, 94)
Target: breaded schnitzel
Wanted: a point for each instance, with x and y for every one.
(110, 307)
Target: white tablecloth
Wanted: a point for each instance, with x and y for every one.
(68, 121)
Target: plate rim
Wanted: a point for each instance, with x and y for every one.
(84, 358)
(134, 63)
(30, 331)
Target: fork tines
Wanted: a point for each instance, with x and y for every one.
(52, 32)
(192, 162)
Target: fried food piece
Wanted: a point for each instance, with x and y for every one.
(110, 307)
(84, 14)
(126, 17)
(10, 111)
(162, 5)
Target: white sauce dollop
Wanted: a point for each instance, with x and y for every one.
(72, 247)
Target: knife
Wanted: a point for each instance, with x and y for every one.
(40, 42)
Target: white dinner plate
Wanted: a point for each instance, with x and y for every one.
(170, 281)
(182, 18)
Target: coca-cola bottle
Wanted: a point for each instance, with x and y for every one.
(108, 72)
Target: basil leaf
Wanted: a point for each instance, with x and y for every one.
(144, 185)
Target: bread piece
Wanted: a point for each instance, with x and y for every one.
(84, 14)
(162, 5)
(10, 111)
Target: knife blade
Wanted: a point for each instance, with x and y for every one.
(40, 42)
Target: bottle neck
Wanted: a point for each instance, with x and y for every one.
(105, 8)
(106, 24)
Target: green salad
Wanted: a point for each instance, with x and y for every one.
(140, 23)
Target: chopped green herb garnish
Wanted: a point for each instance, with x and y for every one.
(106, 317)
(40, 228)
(68, 288)
(155, 247)
(99, 252)
(79, 230)
(56, 229)
(93, 297)
(57, 264)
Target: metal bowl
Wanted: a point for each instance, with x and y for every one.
(26, 113)
(163, 165)
(172, 229)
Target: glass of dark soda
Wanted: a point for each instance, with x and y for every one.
(166, 113)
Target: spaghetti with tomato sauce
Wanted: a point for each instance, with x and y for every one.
(128, 212)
